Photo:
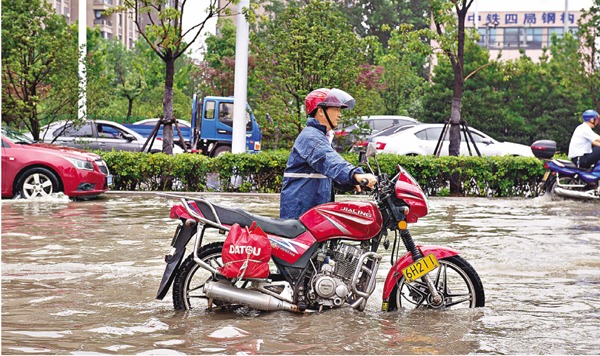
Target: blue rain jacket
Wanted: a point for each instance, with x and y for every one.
(311, 168)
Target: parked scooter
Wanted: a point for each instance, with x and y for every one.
(325, 259)
(563, 178)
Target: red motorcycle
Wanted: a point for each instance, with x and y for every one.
(325, 259)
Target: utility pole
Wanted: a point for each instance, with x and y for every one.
(566, 18)
(240, 90)
(82, 42)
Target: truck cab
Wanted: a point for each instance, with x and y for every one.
(212, 121)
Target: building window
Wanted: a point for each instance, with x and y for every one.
(511, 37)
(533, 38)
(487, 37)
(559, 31)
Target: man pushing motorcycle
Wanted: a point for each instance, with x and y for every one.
(313, 164)
(584, 148)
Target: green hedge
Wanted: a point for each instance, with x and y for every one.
(479, 176)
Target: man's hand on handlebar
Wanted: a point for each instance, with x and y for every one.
(365, 180)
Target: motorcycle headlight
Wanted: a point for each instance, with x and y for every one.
(80, 164)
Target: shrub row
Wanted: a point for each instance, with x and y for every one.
(263, 172)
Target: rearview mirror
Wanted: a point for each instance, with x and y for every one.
(371, 150)
(363, 156)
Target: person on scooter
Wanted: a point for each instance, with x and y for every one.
(584, 148)
(313, 164)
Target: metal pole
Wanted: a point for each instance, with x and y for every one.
(82, 42)
(476, 16)
(238, 144)
(566, 21)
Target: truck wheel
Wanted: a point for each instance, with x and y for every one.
(220, 150)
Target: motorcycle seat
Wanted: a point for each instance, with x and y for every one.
(569, 164)
(289, 228)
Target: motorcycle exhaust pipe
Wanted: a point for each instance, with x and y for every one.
(573, 194)
(250, 298)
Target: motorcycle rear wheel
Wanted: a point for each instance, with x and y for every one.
(188, 287)
(456, 281)
(550, 184)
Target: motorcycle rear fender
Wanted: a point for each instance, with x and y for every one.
(589, 176)
(182, 236)
(395, 272)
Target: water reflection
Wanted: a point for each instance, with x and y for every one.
(81, 277)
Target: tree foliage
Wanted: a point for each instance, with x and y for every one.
(160, 23)
(37, 51)
(308, 47)
(376, 50)
(379, 17)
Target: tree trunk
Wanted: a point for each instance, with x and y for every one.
(168, 105)
(458, 64)
(129, 108)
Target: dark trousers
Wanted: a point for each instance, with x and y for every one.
(588, 159)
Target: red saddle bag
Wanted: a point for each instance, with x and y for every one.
(246, 253)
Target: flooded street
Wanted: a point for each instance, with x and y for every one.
(81, 278)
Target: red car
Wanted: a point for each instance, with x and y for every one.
(36, 169)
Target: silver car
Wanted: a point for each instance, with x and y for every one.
(98, 135)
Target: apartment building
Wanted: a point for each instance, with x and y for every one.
(119, 26)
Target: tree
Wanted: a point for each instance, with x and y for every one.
(305, 48)
(401, 84)
(128, 79)
(589, 25)
(217, 70)
(164, 33)
(379, 17)
(451, 38)
(37, 49)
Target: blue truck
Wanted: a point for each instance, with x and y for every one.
(210, 129)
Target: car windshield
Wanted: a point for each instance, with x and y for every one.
(15, 136)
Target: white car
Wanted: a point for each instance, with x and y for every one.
(422, 140)
(97, 135)
(347, 136)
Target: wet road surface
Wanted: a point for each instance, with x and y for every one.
(81, 278)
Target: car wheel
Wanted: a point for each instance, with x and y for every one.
(37, 182)
(220, 150)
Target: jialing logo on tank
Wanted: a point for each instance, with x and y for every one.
(357, 212)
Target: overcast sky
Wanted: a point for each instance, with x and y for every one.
(530, 5)
(195, 10)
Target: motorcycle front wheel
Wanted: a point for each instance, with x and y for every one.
(456, 281)
(188, 287)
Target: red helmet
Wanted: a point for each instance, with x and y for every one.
(328, 98)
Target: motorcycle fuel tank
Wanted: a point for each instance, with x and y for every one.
(350, 220)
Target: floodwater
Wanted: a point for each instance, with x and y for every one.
(81, 278)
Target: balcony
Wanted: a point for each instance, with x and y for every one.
(103, 23)
(103, 4)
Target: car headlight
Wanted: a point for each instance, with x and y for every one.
(80, 164)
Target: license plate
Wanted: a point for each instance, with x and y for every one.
(109, 179)
(545, 176)
(420, 268)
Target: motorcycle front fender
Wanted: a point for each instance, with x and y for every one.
(182, 236)
(395, 273)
